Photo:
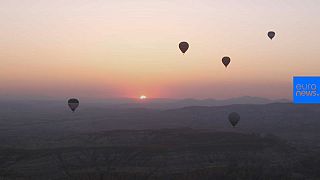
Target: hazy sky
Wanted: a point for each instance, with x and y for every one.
(125, 48)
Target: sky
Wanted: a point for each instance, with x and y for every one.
(125, 48)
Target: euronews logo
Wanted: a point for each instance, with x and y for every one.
(306, 89)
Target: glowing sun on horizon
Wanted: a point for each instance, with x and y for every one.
(142, 97)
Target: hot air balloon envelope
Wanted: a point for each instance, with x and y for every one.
(73, 104)
(271, 34)
(234, 118)
(183, 46)
(226, 61)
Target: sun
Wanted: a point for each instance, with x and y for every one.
(142, 97)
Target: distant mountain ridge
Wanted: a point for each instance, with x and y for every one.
(156, 103)
(180, 103)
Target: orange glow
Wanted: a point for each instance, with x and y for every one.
(142, 97)
(107, 49)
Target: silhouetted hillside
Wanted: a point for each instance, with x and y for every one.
(156, 154)
(289, 121)
(271, 141)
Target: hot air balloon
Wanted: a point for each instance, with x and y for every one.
(183, 46)
(73, 104)
(226, 61)
(234, 118)
(271, 34)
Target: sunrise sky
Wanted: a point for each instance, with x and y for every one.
(126, 48)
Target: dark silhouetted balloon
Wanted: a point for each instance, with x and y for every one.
(73, 104)
(271, 34)
(226, 61)
(234, 118)
(183, 46)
